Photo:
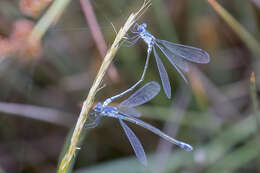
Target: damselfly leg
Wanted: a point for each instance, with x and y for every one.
(94, 123)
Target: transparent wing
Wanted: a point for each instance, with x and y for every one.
(129, 111)
(176, 61)
(163, 74)
(135, 142)
(189, 53)
(142, 95)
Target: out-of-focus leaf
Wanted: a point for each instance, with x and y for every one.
(125, 165)
(238, 158)
(218, 146)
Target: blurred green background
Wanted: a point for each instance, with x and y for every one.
(41, 96)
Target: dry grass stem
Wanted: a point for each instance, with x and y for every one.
(65, 162)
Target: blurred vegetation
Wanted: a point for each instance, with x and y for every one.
(43, 86)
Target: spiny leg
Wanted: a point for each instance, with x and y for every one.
(94, 123)
(130, 41)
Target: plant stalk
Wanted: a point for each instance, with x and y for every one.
(66, 160)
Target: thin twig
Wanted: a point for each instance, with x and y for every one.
(39, 113)
(66, 160)
(97, 36)
(250, 41)
(221, 102)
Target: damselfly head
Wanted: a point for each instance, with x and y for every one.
(98, 107)
(142, 27)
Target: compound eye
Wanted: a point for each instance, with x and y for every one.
(140, 29)
(98, 106)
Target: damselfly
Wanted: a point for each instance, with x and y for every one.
(126, 111)
(177, 54)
